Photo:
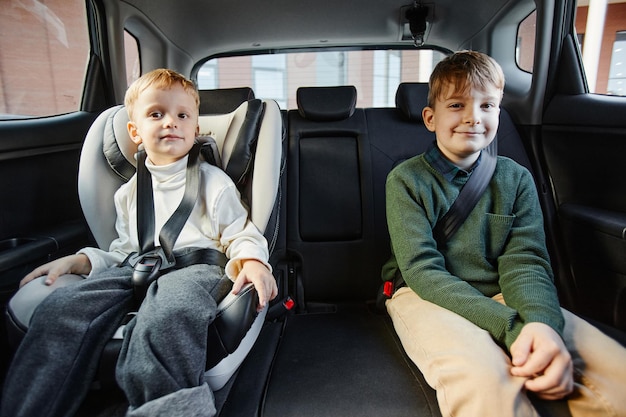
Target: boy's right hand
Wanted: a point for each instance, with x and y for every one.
(72, 264)
(255, 272)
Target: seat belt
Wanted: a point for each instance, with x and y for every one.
(152, 261)
(145, 206)
(471, 192)
(447, 226)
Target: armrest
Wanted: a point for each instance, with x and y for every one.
(20, 308)
(20, 254)
(607, 221)
(235, 316)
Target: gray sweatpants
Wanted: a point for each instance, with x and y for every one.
(161, 365)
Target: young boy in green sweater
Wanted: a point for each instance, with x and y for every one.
(480, 316)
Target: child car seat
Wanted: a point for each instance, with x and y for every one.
(253, 151)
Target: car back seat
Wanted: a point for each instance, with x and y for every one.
(396, 134)
(335, 352)
(339, 356)
(329, 209)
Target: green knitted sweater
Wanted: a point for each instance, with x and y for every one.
(499, 249)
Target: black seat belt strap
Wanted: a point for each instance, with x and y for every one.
(201, 256)
(150, 261)
(172, 228)
(468, 196)
(145, 205)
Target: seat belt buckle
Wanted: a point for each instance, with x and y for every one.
(148, 266)
(146, 270)
(280, 309)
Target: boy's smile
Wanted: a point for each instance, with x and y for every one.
(465, 122)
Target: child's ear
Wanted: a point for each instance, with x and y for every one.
(133, 133)
(428, 116)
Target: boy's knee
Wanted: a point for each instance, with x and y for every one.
(56, 303)
(480, 374)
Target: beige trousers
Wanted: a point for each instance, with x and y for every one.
(470, 372)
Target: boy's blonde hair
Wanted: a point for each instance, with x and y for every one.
(161, 79)
(464, 70)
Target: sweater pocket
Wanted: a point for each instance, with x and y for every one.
(496, 233)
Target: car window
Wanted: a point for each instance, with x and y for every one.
(525, 48)
(131, 56)
(44, 50)
(601, 33)
(375, 73)
(601, 30)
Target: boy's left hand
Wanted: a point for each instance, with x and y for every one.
(540, 355)
(255, 272)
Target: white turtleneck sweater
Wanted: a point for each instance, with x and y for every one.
(218, 220)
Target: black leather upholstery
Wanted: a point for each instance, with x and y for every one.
(223, 100)
(326, 104)
(411, 98)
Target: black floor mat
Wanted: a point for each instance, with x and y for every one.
(344, 363)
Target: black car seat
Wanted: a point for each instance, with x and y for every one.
(247, 145)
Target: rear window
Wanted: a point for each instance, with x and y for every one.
(375, 73)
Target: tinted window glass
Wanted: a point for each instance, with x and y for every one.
(601, 29)
(44, 48)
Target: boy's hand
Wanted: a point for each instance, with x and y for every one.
(72, 264)
(539, 354)
(255, 272)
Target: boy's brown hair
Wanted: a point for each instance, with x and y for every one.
(464, 70)
(161, 79)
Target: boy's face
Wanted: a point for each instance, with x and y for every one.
(166, 122)
(464, 122)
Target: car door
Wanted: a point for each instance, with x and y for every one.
(52, 88)
(583, 142)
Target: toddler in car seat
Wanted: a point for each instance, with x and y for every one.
(161, 364)
(480, 315)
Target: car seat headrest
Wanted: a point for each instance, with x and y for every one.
(245, 145)
(325, 104)
(411, 98)
(223, 100)
(118, 149)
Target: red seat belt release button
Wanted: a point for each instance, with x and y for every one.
(289, 303)
(388, 289)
